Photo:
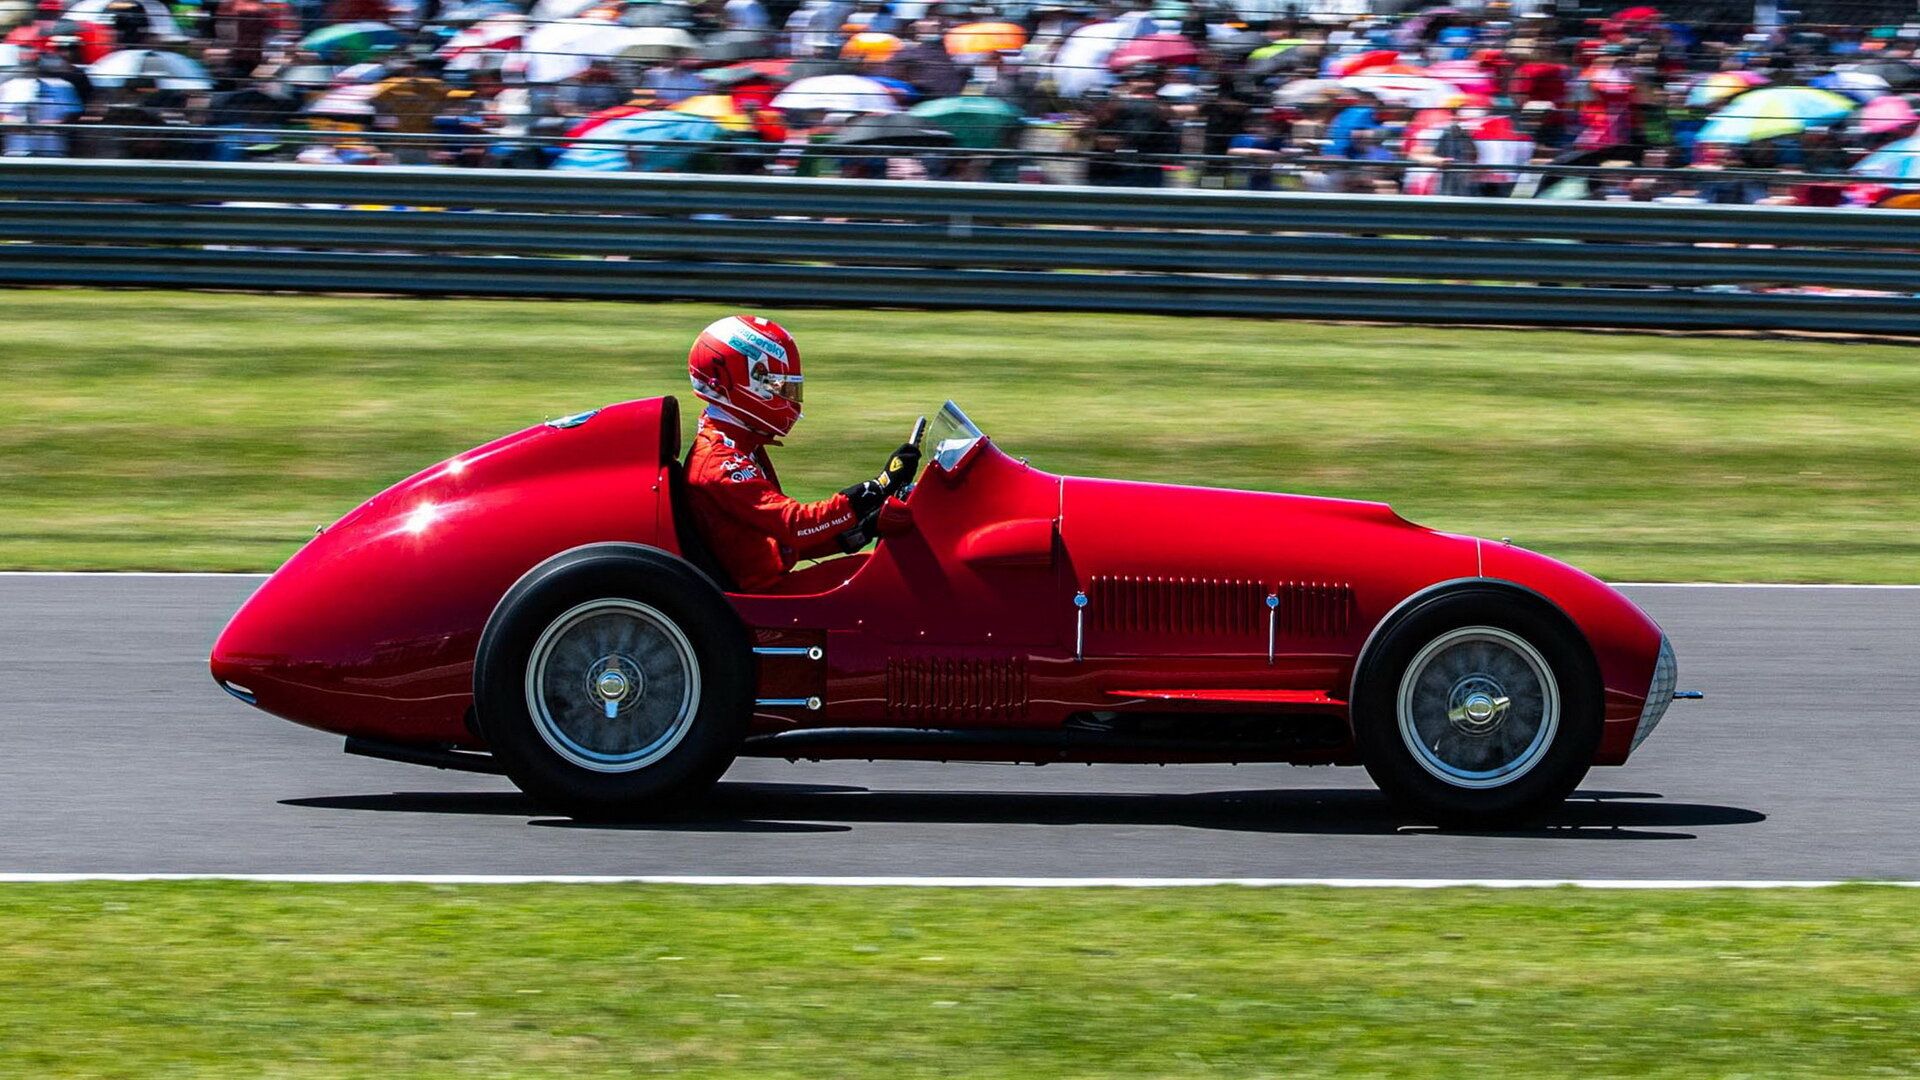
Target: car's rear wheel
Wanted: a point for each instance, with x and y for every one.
(614, 681)
(1478, 708)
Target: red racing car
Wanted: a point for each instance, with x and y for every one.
(541, 606)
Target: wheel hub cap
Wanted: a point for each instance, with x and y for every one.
(618, 684)
(1477, 706)
(612, 685)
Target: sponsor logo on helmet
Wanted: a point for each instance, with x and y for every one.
(754, 345)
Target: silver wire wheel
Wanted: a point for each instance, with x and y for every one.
(612, 685)
(1478, 707)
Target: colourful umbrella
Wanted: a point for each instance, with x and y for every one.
(170, 70)
(1859, 85)
(1772, 112)
(1419, 91)
(977, 123)
(1894, 161)
(95, 41)
(891, 129)
(159, 20)
(1720, 85)
(637, 127)
(1276, 48)
(1166, 50)
(353, 43)
(1361, 63)
(1885, 114)
(870, 47)
(655, 44)
(557, 51)
(720, 108)
(593, 120)
(1080, 64)
(904, 92)
(984, 37)
(838, 93)
(484, 44)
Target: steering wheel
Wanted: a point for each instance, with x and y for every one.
(871, 523)
(918, 440)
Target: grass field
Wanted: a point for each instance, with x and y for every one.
(232, 980)
(152, 430)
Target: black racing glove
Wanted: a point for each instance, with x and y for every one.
(900, 469)
(867, 495)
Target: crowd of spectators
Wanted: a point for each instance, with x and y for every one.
(1265, 95)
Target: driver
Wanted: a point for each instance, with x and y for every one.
(748, 371)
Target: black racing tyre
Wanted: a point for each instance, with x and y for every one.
(614, 681)
(1478, 708)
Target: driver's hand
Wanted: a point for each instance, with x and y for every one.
(900, 469)
(865, 497)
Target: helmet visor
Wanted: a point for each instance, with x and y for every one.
(791, 387)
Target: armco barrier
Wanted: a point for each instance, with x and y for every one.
(778, 240)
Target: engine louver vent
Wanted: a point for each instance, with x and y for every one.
(1314, 608)
(1189, 607)
(957, 689)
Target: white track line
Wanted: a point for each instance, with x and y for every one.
(1746, 585)
(949, 882)
(1616, 584)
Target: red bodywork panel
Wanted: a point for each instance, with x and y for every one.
(1021, 600)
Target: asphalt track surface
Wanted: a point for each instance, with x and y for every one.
(118, 754)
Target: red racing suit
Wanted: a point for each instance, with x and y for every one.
(755, 530)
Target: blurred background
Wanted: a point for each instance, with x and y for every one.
(1708, 101)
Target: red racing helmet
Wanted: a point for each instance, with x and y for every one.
(749, 366)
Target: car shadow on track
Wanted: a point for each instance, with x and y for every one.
(798, 808)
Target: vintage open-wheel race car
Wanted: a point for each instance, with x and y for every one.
(542, 606)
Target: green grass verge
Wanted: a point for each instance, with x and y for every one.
(223, 979)
(155, 430)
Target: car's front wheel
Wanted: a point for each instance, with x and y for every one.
(614, 682)
(1479, 709)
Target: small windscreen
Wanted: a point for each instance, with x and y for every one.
(953, 435)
